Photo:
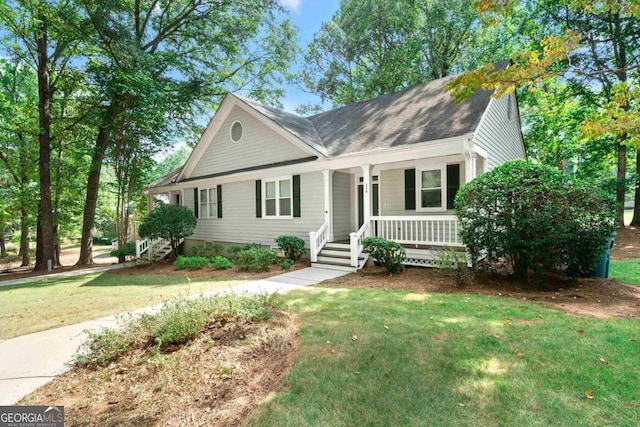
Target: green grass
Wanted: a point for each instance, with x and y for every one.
(46, 304)
(454, 360)
(627, 271)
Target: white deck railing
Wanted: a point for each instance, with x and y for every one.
(431, 230)
(317, 240)
(151, 246)
(142, 246)
(356, 243)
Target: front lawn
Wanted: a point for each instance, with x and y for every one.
(627, 271)
(379, 357)
(46, 304)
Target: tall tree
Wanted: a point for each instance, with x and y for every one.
(47, 44)
(373, 47)
(157, 62)
(591, 44)
(18, 144)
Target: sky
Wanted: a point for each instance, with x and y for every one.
(308, 15)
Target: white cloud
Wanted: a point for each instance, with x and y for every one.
(291, 4)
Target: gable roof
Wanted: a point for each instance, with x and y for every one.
(300, 127)
(417, 114)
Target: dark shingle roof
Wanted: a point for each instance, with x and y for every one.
(420, 113)
(167, 179)
(296, 125)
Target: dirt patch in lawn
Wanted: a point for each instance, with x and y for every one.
(216, 380)
(592, 297)
(167, 268)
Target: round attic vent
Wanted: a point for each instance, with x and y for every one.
(236, 131)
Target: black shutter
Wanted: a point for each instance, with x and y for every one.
(453, 184)
(258, 198)
(296, 196)
(410, 189)
(219, 201)
(195, 202)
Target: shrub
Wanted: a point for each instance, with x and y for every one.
(208, 250)
(535, 220)
(191, 263)
(292, 246)
(171, 222)
(129, 251)
(256, 259)
(221, 263)
(286, 264)
(387, 253)
(234, 250)
(455, 262)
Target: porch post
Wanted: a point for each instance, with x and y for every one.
(366, 196)
(469, 161)
(328, 201)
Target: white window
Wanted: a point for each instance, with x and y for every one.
(431, 188)
(277, 198)
(208, 203)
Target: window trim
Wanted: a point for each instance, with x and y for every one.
(277, 181)
(443, 187)
(231, 131)
(205, 214)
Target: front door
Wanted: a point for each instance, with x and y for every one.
(375, 201)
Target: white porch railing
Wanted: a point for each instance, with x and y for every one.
(151, 246)
(435, 230)
(356, 243)
(142, 246)
(317, 240)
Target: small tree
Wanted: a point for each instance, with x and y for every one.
(171, 222)
(535, 220)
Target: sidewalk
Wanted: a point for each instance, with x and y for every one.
(30, 361)
(64, 274)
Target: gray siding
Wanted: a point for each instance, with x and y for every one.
(499, 132)
(392, 194)
(240, 225)
(342, 208)
(259, 146)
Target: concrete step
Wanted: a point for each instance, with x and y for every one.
(338, 246)
(336, 253)
(339, 267)
(334, 260)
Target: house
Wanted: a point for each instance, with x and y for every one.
(388, 167)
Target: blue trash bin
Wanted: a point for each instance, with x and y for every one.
(601, 269)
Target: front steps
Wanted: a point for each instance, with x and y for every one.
(337, 256)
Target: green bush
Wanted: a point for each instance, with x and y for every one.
(221, 263)
(171, 222)
(129, 251)
(234, 250)
(286, 264)
(256, 259)
(292, 246)
(534, 219)
(208, 250)
(387, 253)
(191, 263)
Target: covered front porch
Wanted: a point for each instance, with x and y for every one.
(409, 201)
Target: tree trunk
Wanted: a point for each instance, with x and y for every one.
(44, 251)
(24, 234)
(56, 246)
(93, 185)
(621, 178)
(3, 248)
(636, 202)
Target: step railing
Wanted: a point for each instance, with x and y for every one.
(317, 240)
(432, 230)
(153, 246)
(355, 243)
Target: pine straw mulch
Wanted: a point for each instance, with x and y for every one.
(216, 380)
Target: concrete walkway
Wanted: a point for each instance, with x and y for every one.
(30, 361)
(64, 274)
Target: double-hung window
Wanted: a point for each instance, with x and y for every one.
(431, 188)
(277, 197)
(208, 203)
